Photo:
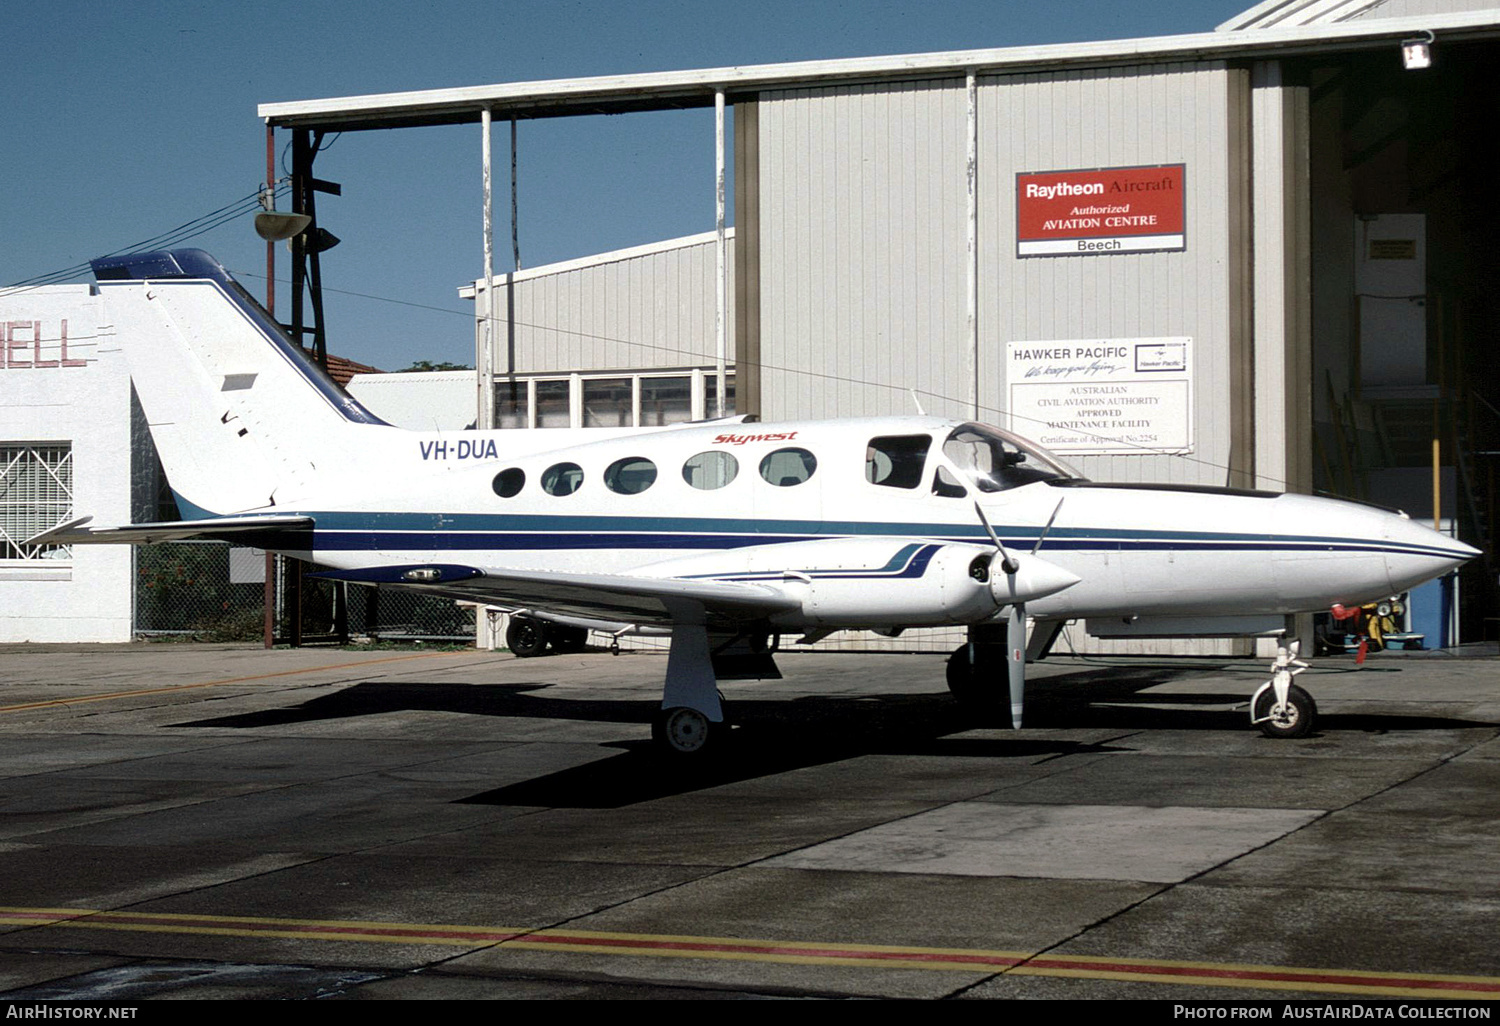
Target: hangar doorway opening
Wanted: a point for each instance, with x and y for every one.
(1403, 229)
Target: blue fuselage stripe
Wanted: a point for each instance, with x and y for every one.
(348, 531)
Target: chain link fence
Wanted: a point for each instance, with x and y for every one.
(213, 591)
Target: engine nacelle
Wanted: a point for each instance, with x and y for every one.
(859, 583)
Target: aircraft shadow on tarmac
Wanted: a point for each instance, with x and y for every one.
(774, 736)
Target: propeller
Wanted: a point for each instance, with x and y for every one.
(1037, 578)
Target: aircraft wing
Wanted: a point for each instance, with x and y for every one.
(76, 532)
(619, 598)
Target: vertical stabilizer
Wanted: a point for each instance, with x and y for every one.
(238, 412)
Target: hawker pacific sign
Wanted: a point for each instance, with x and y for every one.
(1130, 396)
(1104, 210)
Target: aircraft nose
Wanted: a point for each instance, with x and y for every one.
(1416, 553)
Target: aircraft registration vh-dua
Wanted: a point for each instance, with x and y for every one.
(723, 532)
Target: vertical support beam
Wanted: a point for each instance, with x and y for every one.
(268, 590)
(971, 275)
(515, 229)
(485, 364)
(721, 284)
(301, 194)
(747, 257)
(1282, 281)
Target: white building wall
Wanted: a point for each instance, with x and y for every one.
(84, 401)
(863, 200)
(634, 309)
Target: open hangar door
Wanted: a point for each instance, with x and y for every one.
(1403, 235)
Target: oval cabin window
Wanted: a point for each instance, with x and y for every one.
(509, 482)
(562, 479)
(787, 467)
(630, 476)
(709, 470)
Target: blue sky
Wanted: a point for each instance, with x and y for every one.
(122, 121)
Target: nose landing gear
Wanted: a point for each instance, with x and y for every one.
(1279, 707)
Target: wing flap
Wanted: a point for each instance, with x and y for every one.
(614, 597)
(76, 532)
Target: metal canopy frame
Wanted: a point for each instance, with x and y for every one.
(618, 94)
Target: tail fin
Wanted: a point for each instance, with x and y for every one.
(235, 407)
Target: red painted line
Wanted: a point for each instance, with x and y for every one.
(1299, 978)
(1279, 976)
(772, 949)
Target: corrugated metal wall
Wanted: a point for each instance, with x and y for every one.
(863, 249)
(1165, 114)
(863, 254)
(634, 310)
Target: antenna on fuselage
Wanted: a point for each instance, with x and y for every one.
(917, 402)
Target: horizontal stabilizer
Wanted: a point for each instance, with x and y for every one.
(74, 532)
(612, 597)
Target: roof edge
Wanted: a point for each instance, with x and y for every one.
(651, 90)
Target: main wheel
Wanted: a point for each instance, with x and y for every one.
(978, 684)
(682, 732)
(1295, 719)
(526, 637)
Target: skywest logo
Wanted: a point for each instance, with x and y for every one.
(778, 436)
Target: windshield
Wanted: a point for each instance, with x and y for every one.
(994, 460)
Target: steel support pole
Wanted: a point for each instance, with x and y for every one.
(268, 590)
(971, 277)
(515, 229)
(721, 291)
(486, 362)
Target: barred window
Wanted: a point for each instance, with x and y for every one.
(36, 493)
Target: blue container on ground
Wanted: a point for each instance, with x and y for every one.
(1431, 606)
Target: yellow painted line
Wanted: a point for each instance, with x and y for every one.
(112, 695)
(873, 956)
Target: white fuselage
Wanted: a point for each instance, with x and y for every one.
(408, 497)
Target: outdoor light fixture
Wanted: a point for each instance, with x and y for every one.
(271, 224)
(1416, 54)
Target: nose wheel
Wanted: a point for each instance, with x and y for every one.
(1280, 708)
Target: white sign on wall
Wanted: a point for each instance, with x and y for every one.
(1090, 396)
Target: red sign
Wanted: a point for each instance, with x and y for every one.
(1106, 210)
(23, 347)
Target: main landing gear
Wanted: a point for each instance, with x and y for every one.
(526, 636)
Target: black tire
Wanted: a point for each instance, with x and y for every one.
(568, 639)
(682, 733)
(1299, 718)
(526, 637)
(978, 686)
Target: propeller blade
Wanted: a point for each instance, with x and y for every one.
(1050, 520)
(1015, 659)
(1007, 564)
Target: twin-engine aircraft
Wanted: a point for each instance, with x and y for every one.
(723, 533)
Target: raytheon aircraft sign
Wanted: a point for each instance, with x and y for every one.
(1104, 210)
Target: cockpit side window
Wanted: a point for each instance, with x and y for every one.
(896, 461)
(946, 485)
(994, 460)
